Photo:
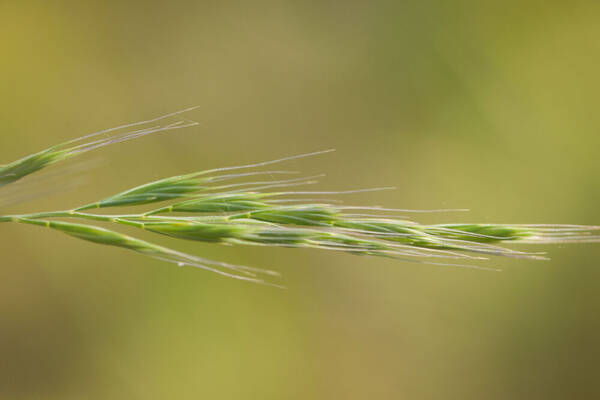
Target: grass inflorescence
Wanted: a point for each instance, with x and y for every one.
(248, 205)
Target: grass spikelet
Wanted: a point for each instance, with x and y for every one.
(110, 238)
(28, 165)
(19, 169)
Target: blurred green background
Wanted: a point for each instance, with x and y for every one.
(491, 106)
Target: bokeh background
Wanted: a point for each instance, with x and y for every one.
(490, 105)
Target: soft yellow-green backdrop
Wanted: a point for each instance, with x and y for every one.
(489, 105)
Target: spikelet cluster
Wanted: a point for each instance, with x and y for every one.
(234, 205)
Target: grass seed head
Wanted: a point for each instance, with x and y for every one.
(243, 213)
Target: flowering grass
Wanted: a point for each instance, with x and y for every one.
(234, 205)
